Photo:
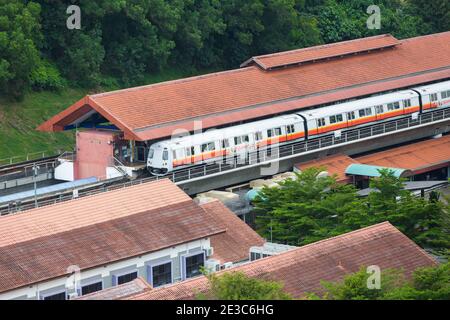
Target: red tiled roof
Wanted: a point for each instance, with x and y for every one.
(318, 53)
(418, 157)
(40, 244)
(233, 245)
(302, 269)
(335, 165)
(155, 111)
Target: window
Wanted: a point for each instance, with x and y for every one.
(368, 111)
(362, 113)
(56, 296)
(258, 136)
(237, 140)
(193, 265)
(189, 152)
(445, 94)
(407, 103)
(255, 256)
(333, 119)
(321, 122)
(165, 155)
(270, 133)
(161, 274)
(290, 128)
(94, 287)
(379, 109)
(277, 131)
(210, 146)
(151, 153)
(225, 144)
(126, 278)
(433, 97)
(245, 138)
(174, 153)
(393, 106)
(351, 115)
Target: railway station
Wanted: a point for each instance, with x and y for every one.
(114, 130)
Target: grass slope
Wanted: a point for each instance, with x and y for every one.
(18, 120)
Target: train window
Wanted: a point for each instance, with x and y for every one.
(258, 136)
(351, 115)
(204, 147)
(433, 97)
(444, 94)
(379, 109)
(277, 131)
(225, 144)
(165, 155)
(362, 113)
(339, 118)
(368, 111)
(237, 140)
(290, 128)
(407, 103)
(188, 152)
(270, 133)
(151, 153)
(174, 154)
(211, 146)
(321, 122)
(393, 106)
(333, 119)
(245, 138)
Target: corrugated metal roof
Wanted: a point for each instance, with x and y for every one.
(356, 169)
(155, 111)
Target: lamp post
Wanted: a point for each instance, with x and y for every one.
(35, 174)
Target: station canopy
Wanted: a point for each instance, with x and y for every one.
(266, 85)
(374, 171)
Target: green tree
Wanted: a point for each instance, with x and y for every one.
(20, 40)
(434, 12)
(238, 286)
(429, 283)
(313, 208)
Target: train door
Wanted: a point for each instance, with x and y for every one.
(379, 112)
(433, 100)
(190, 155)
(322, 125)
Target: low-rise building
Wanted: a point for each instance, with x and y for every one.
(153, 231)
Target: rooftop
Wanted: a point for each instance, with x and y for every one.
(417, 157)
(136, 286)
(40, 244)
(334, 165)
(319, 53)
(235, 243)
(155, 111)
(302, 269)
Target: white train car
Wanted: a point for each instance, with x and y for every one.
(237, 141)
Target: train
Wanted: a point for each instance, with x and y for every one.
(237, 141)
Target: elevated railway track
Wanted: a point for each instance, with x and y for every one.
(256, 159)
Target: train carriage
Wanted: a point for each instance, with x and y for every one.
(237, 141)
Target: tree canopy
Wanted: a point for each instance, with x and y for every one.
(126, 40)
(312, 208)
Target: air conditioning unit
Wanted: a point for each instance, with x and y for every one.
(209, 251)
(212, 265)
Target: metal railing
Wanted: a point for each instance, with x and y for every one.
(263, 156)
(29, 157)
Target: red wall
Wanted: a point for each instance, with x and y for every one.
(94, 151)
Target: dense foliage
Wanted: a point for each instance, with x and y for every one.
(432, 283)
(238, 286)
(312, 208)
(124, 40)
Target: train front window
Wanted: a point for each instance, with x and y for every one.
(165, 155)
(151, 153)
